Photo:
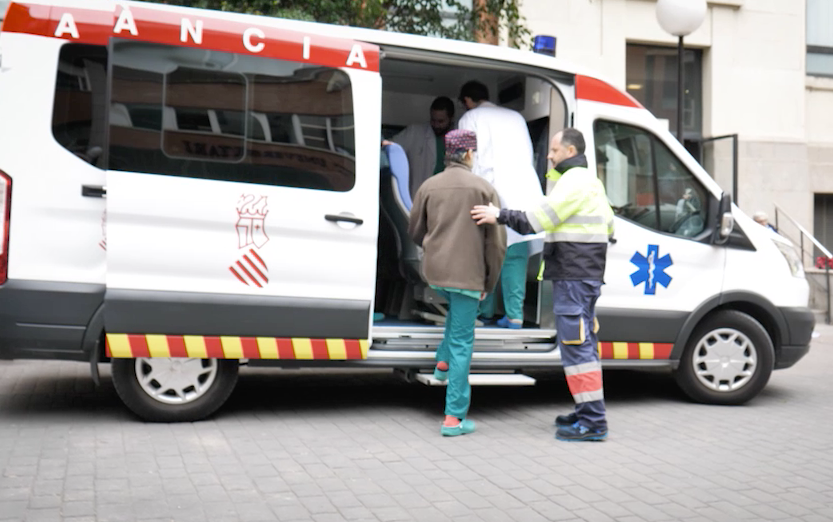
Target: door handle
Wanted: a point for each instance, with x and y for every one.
(347, 219)
(93, 191)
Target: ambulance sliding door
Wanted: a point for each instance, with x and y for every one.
(242, 194)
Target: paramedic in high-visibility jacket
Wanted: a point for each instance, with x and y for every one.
(578, 223)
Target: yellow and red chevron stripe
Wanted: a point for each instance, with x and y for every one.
(225, 347)
(635, 350)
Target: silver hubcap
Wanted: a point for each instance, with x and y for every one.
(724, 360)
(176, 381)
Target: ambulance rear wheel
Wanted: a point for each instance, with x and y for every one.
(728, 359)
(174, 390)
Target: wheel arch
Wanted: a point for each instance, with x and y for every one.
(93, 341)
(753, 305)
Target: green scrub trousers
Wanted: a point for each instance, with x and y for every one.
(512, 283)
(457, 347)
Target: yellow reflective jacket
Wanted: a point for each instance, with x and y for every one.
(576, 210)
(578, 222)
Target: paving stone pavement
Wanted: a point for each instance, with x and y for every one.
(363, 446)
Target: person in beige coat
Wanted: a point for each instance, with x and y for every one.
(424, 143)
(461, 261)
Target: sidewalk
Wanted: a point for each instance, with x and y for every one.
(362, 446)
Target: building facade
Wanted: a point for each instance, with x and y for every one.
(761, 69)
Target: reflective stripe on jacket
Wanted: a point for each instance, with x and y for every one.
(576, 210)
(578, 223)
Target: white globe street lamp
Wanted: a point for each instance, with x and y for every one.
(680, 18)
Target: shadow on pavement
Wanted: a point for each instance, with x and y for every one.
(266, 390)
(52, 395)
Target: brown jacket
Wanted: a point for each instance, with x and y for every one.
(458, 252)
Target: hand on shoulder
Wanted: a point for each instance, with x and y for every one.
(485, 214)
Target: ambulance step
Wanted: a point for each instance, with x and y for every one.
(409, 331)
(483, 379)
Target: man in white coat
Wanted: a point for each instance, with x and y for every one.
(424, 143)
(504, 158)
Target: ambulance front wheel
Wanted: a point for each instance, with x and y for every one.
(173, 389)
(728, 359)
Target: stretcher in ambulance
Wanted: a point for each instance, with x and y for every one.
(184, 190)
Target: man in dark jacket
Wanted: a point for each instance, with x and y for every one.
(578, 222)
(462, 262)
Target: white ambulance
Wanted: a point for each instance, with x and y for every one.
(185, 190)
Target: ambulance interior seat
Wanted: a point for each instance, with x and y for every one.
(396, 206)
(399, 170)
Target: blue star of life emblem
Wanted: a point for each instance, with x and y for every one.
(651, 269)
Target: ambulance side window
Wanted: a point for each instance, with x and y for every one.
(80, 95)
(194, 121)
(646, 183)
(214, 115)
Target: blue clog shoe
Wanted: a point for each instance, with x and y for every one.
(504, 322)
(465, 426)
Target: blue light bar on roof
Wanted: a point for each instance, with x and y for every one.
(544, 44)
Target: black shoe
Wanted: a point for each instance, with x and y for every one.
(562, 421)
(579, 433)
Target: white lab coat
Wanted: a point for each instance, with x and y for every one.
(504, 159)
(420, 144)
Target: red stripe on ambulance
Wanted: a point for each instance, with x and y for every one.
(139, 345)
(593, 89)
(663, 350)
(353, 348)
(285, 349)
(319, 349)
(176, 345)
(213, 347)
(606, 350)
(250, 349)
(204, 30)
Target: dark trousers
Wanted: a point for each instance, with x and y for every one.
(574, 304)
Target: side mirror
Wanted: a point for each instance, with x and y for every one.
(725, 220)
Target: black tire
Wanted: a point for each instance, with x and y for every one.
(753, 347)
(140, 402)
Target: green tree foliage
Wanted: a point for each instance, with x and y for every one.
(426, 17)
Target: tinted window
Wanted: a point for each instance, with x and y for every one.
(80, 96)
(185, 112)
(646, 183)
(651, 78)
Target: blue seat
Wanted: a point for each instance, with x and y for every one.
(396, 206)
(396, 162)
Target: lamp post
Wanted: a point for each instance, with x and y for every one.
(680, 18)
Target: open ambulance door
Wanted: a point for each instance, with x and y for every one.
(242, 212)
